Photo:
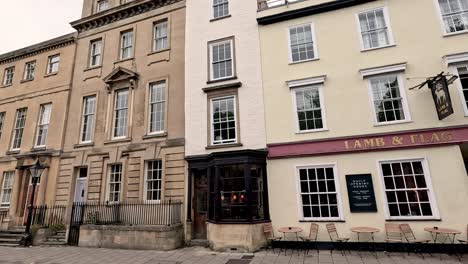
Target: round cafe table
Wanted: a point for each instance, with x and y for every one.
(370, 231)
(447, 233)
(290, 230)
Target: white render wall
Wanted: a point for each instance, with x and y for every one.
(199, 31)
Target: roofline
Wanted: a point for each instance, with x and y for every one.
(38, 48)
(310, 10)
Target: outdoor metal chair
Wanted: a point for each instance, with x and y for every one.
(464, 241)
(335, 238)
(411, 239)
(313, 233)
(393, 234)
(270, 235)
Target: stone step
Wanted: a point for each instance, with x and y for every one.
(199, 243)
(56, 239)
(9, 240)
(53, 243)
(9, 245)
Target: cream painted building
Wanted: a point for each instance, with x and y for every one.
(343, 124)
(34, 95)
(225, 130)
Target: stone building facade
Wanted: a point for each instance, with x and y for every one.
(125, 131)
(34, 95)
(349, 142)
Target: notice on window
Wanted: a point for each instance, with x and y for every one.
(361, 193)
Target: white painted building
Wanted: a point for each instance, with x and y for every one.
(225, 142)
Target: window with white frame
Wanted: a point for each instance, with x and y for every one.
(43, 125)
(407, 189)
(87, 119)
(7, 188)
(223, 120)
(302, 45)
(387, 99)
(18, 129)
(120, 113)
(463, 75)
(220, 8)
(309, 108)
(29, 69)
(8, 76)
(153, 180)
(375, 29)
(221, 57)
(102, 5)
(454, 15)
(157, 107)
(318, 193)
(126, 45)
(53, 64)
(95, 53)
(160, 40)
(2, 122)
(115, 183)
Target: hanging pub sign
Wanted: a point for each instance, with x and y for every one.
(441, 95)
(361, 193)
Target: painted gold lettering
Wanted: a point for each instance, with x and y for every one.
(435, 138)
(346, 145)
(446, 136)
(380, 142)
(369, 143)
(413, 139)
(397, 141)
(357, 144)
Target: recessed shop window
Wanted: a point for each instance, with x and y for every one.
(319, 199)
(408, 191)
(388, 99)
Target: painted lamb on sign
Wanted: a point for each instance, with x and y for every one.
(441, 95)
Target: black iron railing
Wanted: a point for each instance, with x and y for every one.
(161, 213)
(46, 215)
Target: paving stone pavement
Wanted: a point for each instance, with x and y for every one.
(198, 255)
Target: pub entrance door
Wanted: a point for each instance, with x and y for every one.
(200, 204)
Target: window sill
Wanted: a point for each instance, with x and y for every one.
(155, 135)
(50, 74)
(393, 123)
(38, 148)
(455, 33)
(222, 87)
(303, 61)
(222, 80)
(84, 145)
(221, 146)
(12, 152)
(312, 131)
(123, 60)
(27, 80)
(159, 51)
(414, 220)
(378, 48)
(220, 18)
(93, 68)
(117, 140)
(324, 220)
(6, 86)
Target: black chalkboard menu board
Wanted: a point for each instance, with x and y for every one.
(361, 193)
